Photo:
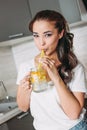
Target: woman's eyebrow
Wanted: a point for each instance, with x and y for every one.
(35, 33)
(47, 32)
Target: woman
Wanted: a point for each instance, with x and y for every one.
(61, 106)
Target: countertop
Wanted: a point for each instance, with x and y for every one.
(10, 114)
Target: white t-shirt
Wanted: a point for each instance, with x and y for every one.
(45, 106)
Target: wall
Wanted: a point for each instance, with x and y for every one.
(80, 43)
(24, 52)
(8, 71)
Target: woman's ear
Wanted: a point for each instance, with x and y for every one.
(61, 34)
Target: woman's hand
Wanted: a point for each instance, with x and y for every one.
(23, 93)
(25, 83)
(51, 68)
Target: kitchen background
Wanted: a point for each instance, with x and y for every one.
(16, 42)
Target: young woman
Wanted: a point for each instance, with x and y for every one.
(60, 107)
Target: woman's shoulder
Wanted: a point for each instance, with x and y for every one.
(78, 82)
(79, 67)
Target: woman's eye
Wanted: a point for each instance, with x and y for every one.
(48, 35)
(34, 35)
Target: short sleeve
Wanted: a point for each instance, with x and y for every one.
(79, 83)
(23, 70)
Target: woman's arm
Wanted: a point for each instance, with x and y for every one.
(71, 102)
(23, 94)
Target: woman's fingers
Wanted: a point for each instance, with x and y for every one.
(50, 63)
(50, 66)
(25, 83)
(47, 62)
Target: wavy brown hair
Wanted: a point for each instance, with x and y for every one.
(65, 45)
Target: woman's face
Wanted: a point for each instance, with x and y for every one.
(46, 36)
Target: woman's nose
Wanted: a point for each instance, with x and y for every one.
(42, 42)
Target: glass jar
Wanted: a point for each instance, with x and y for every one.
(38, 80)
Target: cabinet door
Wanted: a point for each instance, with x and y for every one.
(69, 8)
(38, 5)
(22, 121)
(3, 126)
(14, 19)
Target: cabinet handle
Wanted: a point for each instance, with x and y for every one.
(15, 35)
(22, 115)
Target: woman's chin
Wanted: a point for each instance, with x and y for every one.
(47, 53)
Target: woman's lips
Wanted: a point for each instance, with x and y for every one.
(45, 51)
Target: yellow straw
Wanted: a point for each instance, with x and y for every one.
(41, 56)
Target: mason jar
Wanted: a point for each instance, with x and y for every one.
(38, 79)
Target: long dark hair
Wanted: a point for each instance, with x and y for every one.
(65, 45)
